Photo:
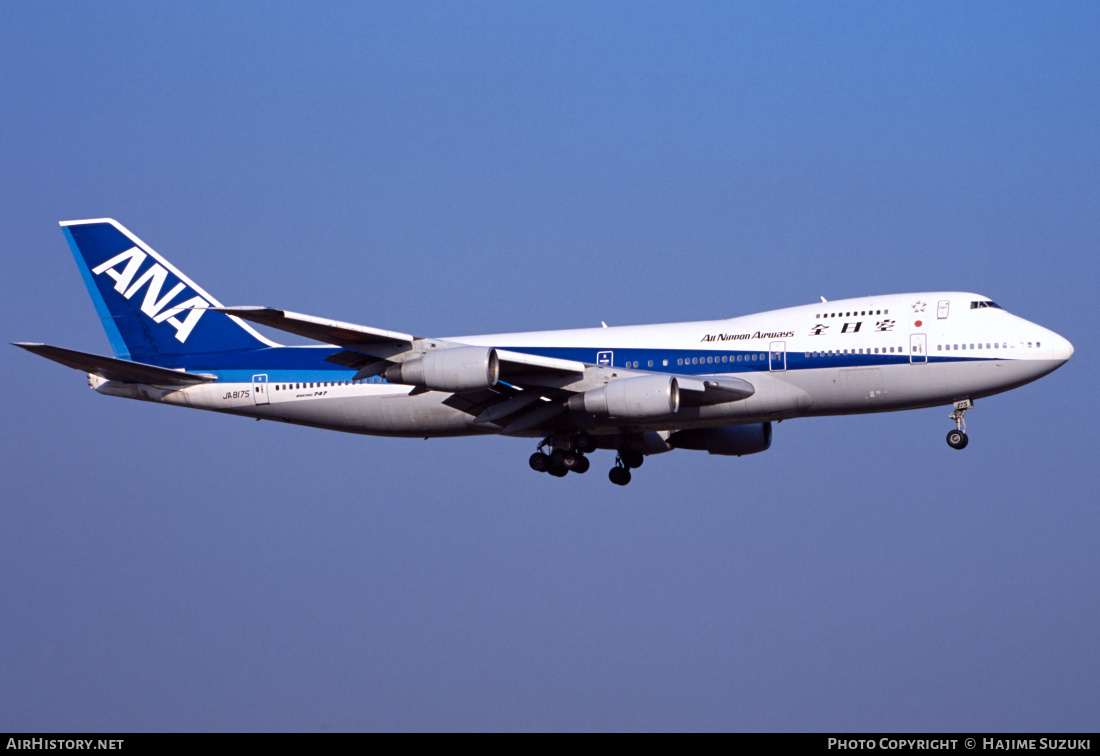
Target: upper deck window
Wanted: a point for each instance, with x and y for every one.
(980, 305)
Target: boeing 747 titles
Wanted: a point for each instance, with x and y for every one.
(714, 386)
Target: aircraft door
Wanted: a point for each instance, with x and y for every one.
(943, 308)
(259, 389)
(777, 356)
(918, 348)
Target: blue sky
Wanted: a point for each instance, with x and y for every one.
(445, 168)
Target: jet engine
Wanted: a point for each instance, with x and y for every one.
(634, 398)
(731, 440)
(457, 369)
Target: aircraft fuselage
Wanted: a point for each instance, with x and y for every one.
(874, 354)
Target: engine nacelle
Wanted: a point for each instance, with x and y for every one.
(732, 440)
(457, 369)
(646, 396)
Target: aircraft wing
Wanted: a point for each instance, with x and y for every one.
(386, 346)
(373, 342)
(532, 389)
(114, 369)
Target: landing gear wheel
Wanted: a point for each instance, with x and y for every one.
(620, 476)
(558, 472)
(582, 464)
(631, 458)
(956, 439)
(583, 443)
(539, 462)
(563, 458)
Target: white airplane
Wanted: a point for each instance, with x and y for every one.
(715, 385)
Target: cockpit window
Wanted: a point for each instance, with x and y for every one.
(980, 305)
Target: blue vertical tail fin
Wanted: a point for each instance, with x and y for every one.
(150, 310)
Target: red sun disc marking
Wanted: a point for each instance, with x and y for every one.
(917, 324)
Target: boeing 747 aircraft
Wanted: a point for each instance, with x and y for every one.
(714, 386)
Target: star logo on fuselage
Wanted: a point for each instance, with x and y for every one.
(918, 306)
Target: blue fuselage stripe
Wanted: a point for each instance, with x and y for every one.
(307, 364)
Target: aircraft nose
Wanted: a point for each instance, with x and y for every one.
(1061, 349)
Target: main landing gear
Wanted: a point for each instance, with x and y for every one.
(957, 439)
(567, 454)
(559, 462)
(628, 458)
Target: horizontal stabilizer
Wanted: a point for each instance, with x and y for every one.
(116, 370)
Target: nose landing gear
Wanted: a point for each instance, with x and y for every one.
(957, 439)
